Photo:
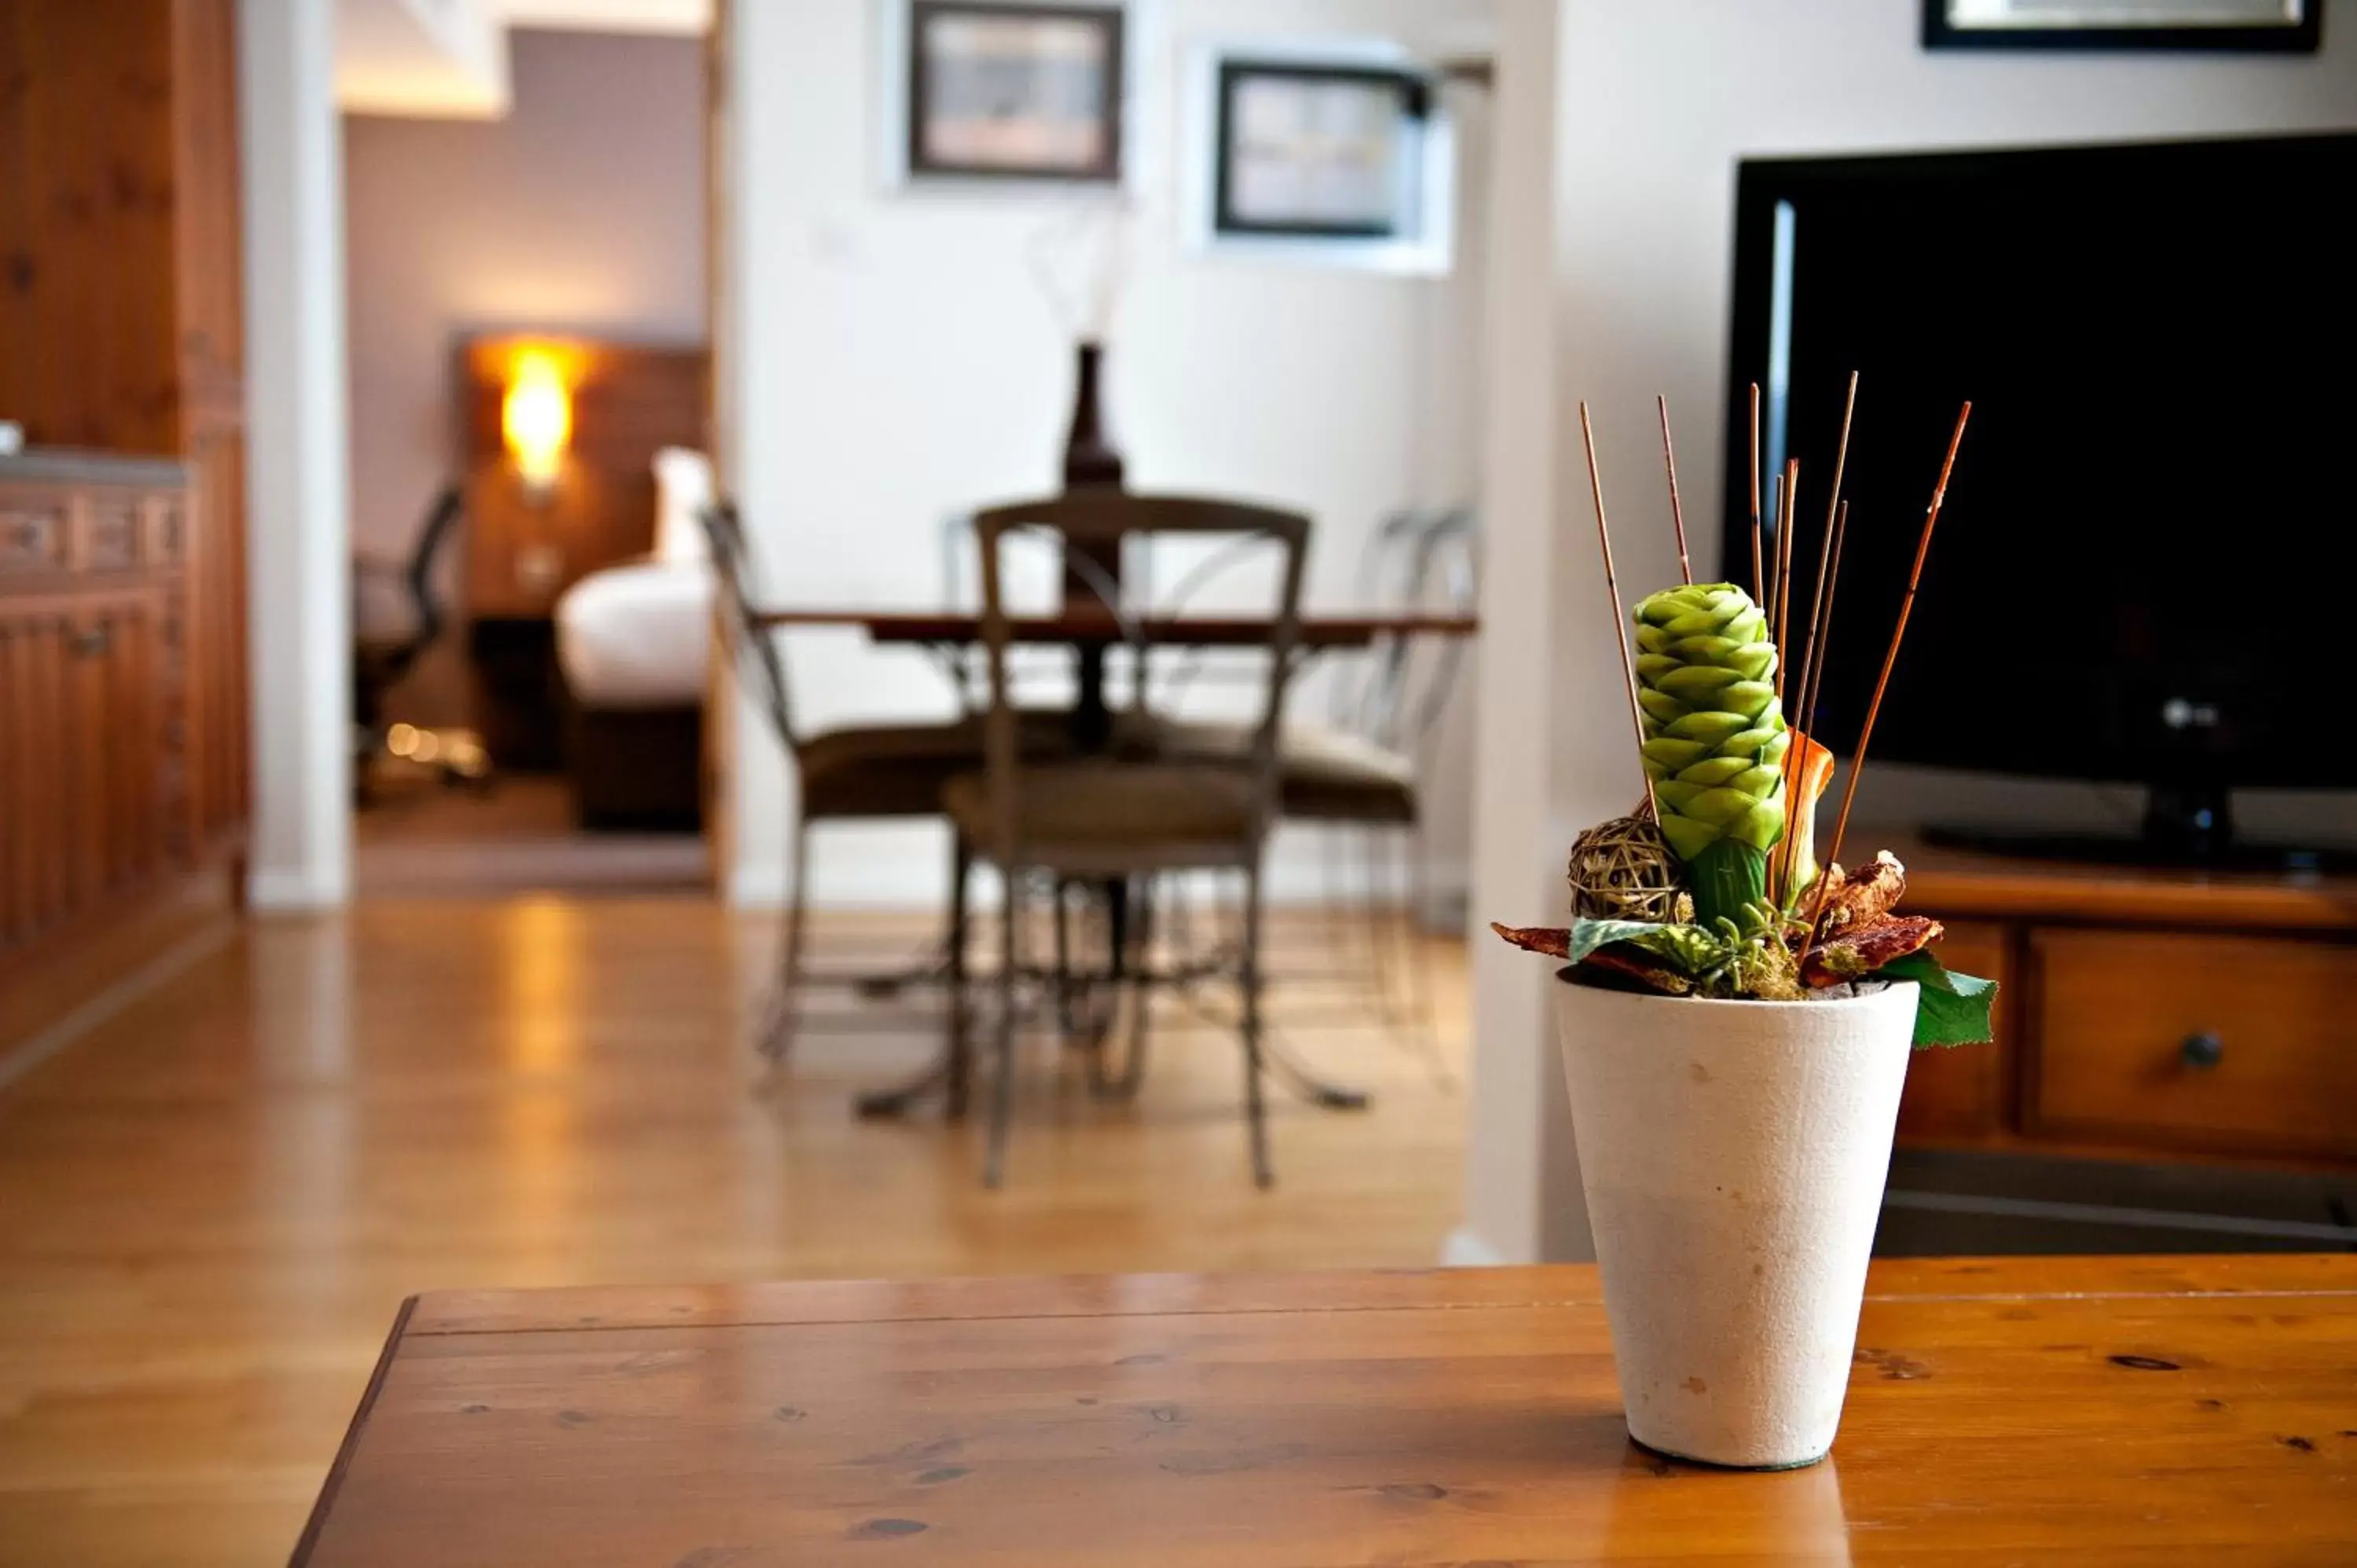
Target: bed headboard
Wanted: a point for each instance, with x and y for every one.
(526, 546)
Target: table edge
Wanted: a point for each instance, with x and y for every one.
(321, 1506)
(814, 1303)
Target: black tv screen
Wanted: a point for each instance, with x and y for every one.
(2146, 570)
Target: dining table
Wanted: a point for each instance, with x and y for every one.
(2059, 1412)
(1092, 632)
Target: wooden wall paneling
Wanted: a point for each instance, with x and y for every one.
(135, 785)
(23, 799)
(84, 688)
(14, 760)
(86, 224)
(53, 741)
(208, 249)
(209, 638)
(17, 276)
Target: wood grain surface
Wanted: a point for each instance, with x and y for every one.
(1955, 884)
(2138, 1411)
(216, 1192)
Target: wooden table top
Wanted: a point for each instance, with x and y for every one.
(1317, 631)
(2046, 1410)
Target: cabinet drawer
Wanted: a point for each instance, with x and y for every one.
(107, 530)
(2222, 1042)
(33, 532)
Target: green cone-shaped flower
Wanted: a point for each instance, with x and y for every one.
(1715, 737)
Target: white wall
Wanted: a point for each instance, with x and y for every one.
(1654, 103)
(298, 573)
(1515, 1100)
(893, 359)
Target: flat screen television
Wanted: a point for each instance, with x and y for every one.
(2146, 569)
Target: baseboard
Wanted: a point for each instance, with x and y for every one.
(1465, 1250)
(271, 892)
(51, 992)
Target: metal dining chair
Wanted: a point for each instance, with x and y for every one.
(1359, 772)
(849, 773)
(1118, 819)
(1365, 767)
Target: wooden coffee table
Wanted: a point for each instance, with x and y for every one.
(2048, 1410)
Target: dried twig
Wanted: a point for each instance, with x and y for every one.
(1821, 628)
(1620, 622)
(1677, 512)
(1805, 714)
(1889, 659)
(1821, 633)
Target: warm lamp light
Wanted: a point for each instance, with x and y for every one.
(536, 416)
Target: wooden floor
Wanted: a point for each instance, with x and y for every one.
(212, 1200)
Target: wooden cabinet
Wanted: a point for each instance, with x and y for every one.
(1965, 1093)
(2147, 1014)
(95, 804)
(123, 668)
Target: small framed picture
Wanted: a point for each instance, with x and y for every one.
(1328, 153)
(2289, 26)
(1015, 91)
(1318, 151)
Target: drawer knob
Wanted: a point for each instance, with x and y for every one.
(2202, 1050)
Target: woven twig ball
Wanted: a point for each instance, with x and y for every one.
(1623, 869)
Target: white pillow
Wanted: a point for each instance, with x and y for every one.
(683, 488)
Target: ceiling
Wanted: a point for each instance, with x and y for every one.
(448, 59)
(610, 16)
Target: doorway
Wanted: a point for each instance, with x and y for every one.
(527, 308)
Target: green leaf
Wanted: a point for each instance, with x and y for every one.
(1726, 876)
(1950, 1009)
(1706, 954)
(1587, 936)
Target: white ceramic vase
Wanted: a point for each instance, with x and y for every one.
(1734, 1154)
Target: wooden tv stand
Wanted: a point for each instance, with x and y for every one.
(2145, 1014)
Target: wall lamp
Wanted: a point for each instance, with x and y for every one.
(536, 417)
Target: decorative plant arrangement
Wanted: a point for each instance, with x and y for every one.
(1713, 887)
(1735, 1017)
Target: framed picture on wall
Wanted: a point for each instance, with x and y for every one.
(1332, 153)
(2293, 27)
(1317, 151)
(1014, 92)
